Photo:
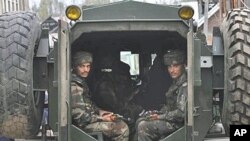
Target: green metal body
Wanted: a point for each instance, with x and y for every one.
(130, 10)
(141, 28)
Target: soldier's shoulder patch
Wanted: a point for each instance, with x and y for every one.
(184, 84)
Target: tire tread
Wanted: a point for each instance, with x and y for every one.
(18, 33)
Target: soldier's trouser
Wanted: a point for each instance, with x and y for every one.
(153, 130)
(117, 131)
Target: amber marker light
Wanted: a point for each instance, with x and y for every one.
(186, 12)
(73, 12)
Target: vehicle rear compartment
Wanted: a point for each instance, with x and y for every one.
(149, 46)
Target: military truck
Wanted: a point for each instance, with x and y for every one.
(29, 68)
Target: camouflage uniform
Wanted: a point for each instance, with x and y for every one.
(173, 112)
(85, 114)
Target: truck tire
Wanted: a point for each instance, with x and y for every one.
(19, 33)
(236, 103)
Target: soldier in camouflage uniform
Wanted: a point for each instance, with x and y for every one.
(156, 125)
(85, 114)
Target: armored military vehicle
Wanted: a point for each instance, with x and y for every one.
(138, 34)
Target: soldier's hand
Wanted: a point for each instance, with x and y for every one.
(107, 117)
(103, 112)
(154, 117)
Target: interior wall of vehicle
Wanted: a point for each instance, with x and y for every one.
(153, 76)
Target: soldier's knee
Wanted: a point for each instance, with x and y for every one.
(123, 128)
(142, 126)
(126, 131)
(142, 130)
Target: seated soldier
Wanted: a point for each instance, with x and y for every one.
(155, 125)
(85, 114)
